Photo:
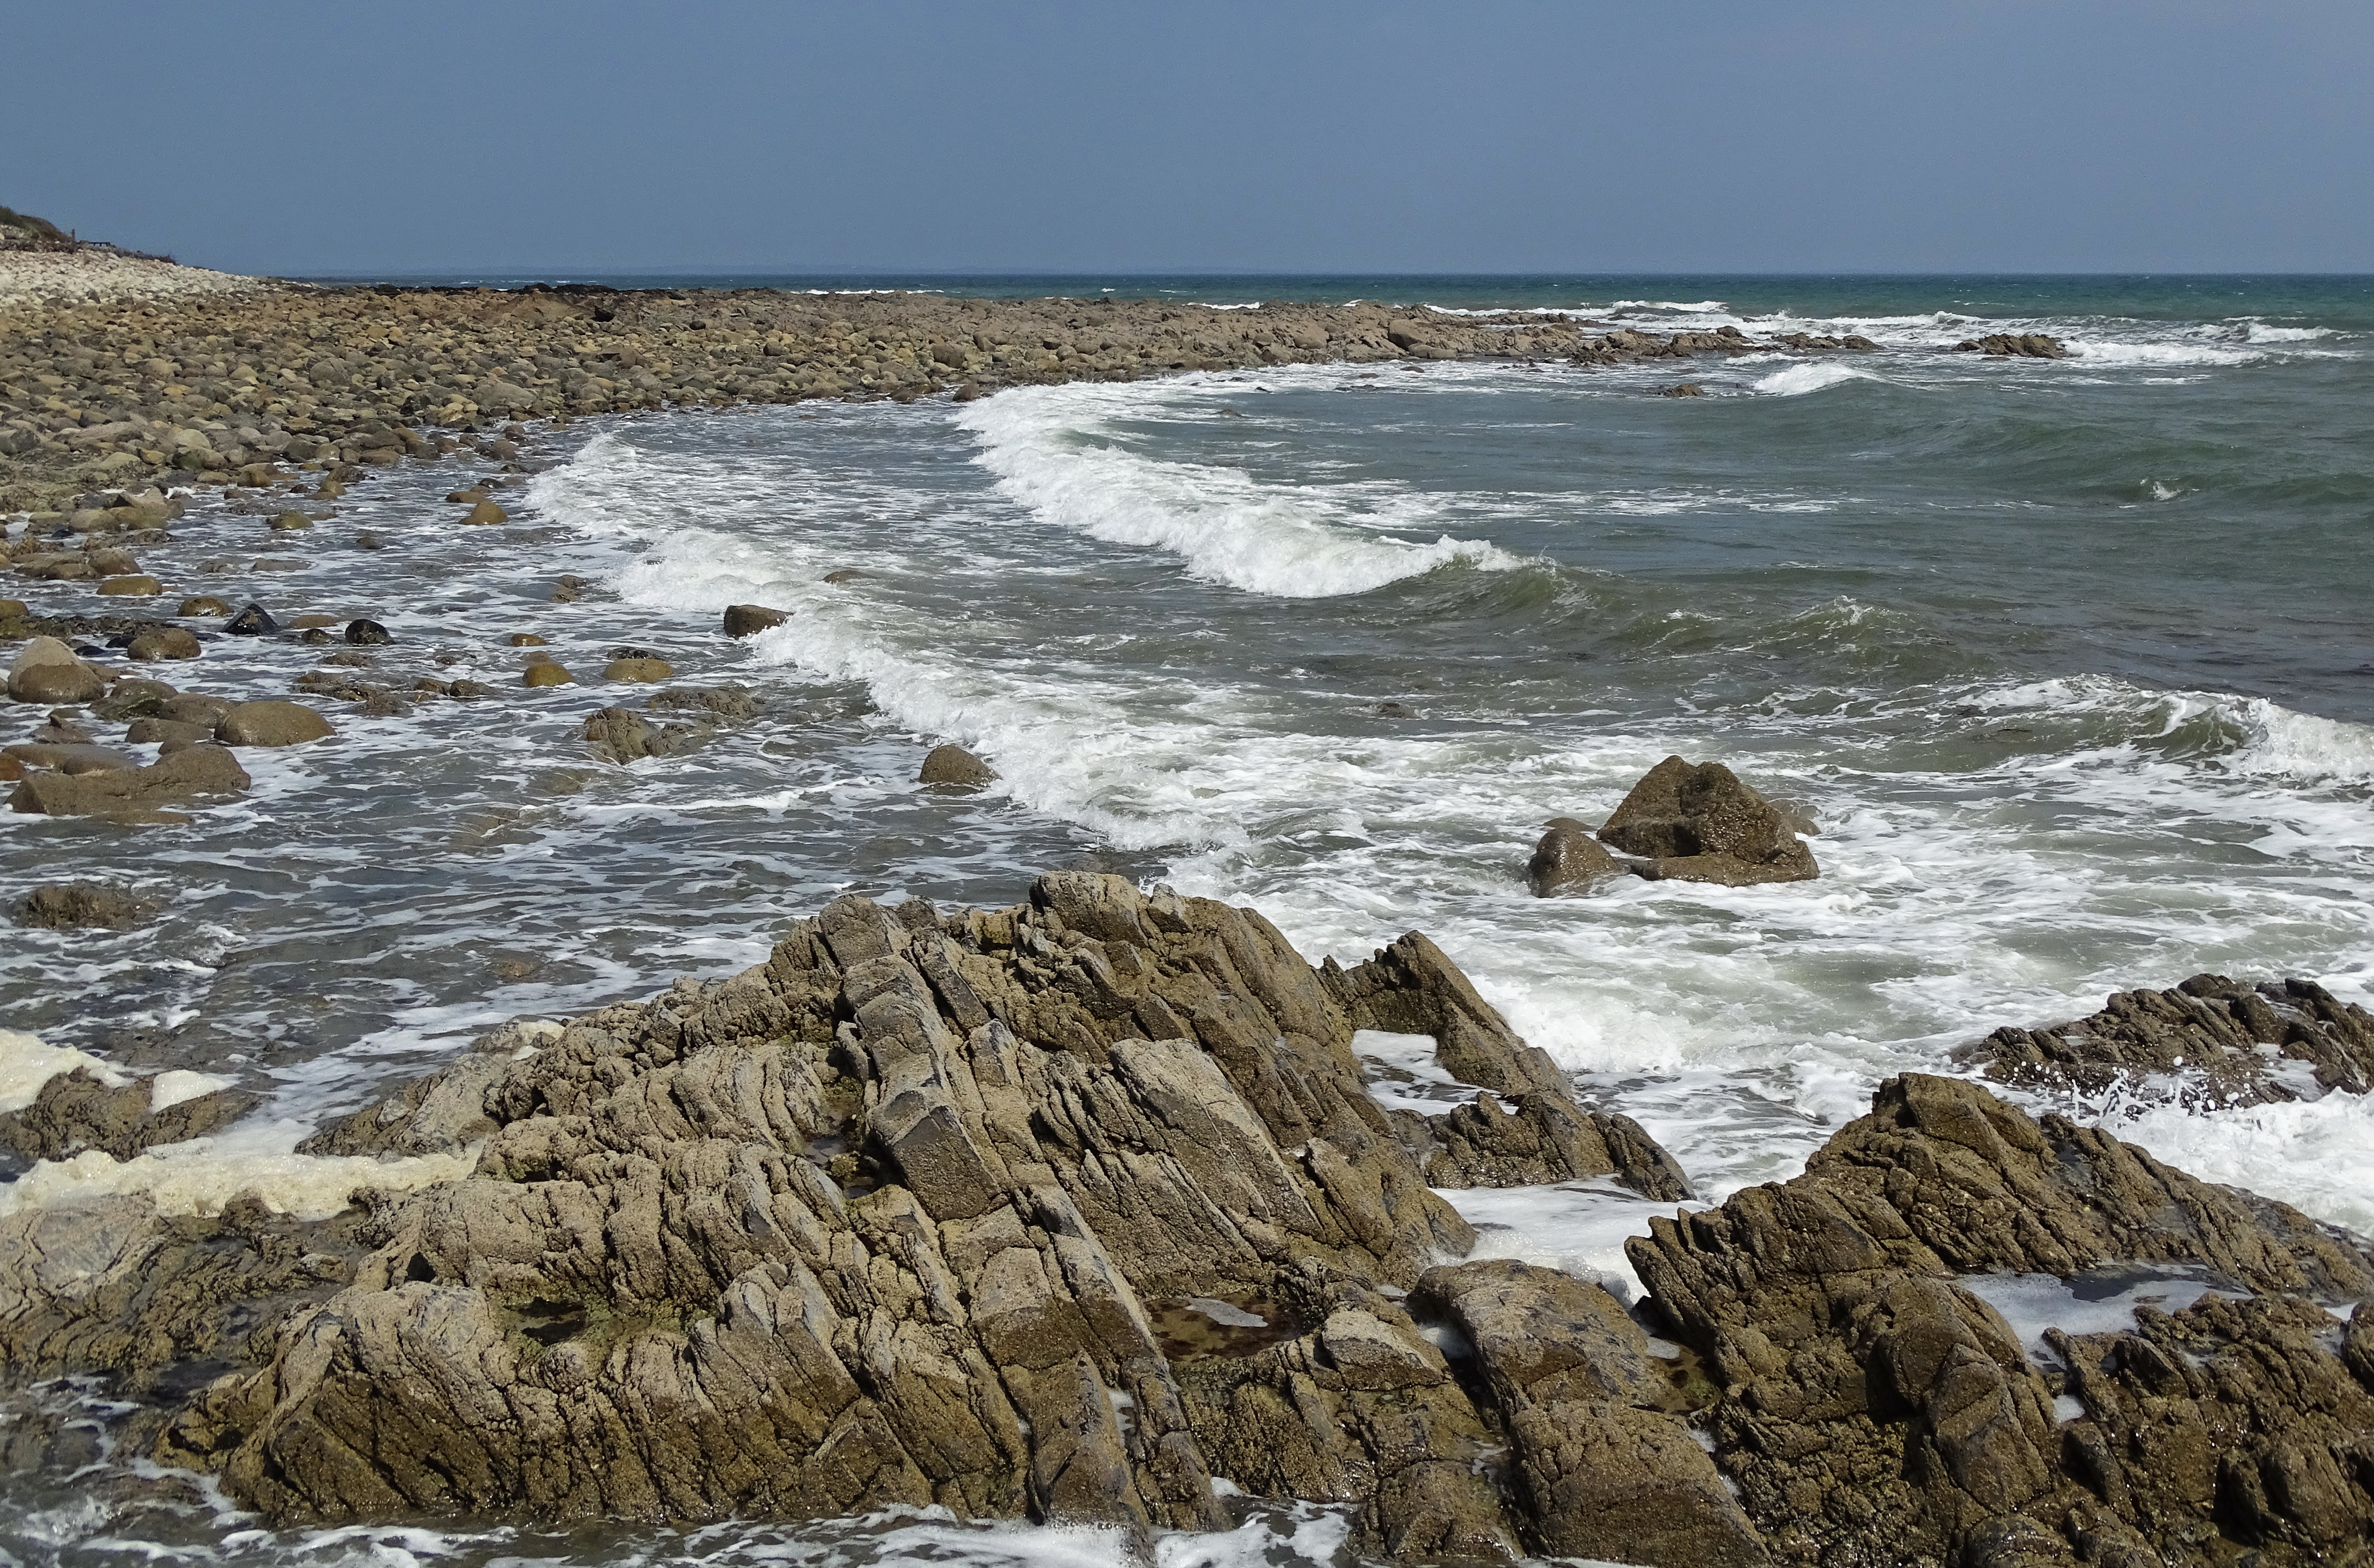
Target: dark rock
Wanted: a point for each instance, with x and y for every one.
(253, 621)
(749, 621)
(1395, 711)
(952, 764)
(1568, 859)
(730, 703)
(2210, 1041)
(2014, 344)
(60, 906)
(1700, 823)
(1686, 389)
(368, 635)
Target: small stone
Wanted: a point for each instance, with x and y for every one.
(646, 669)
(272, 723)
(366, 633)
(526, 639)
(253, 621)
(163, 642)
(140, 587)
(487, 513)
(749, 621)
(546, 672)
(843, 574)
(952, 764)
(291, 522)
(203, 604)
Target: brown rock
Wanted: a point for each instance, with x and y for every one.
(546, 672)
(203, 605)
(749, 621)
(638, 669)
(526, 639)
(1569, 860)
(952, 764)
(163, 642)
(70, 757)
(141, 586)
(272, 723)
(136, 793)
(1700, 823)
(486, 512)
(62, 907)
(47, 672)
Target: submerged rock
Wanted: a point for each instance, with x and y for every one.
(1697, 822)
(61, 906)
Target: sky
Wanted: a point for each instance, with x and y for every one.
(1492, 135)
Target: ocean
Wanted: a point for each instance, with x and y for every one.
(2071, 662)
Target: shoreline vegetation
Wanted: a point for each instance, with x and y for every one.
(1088, 1208)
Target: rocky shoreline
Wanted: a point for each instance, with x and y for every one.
(1069, 1210)
(258, 386)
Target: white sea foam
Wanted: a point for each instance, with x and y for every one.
(1054, 452)
(26, 1064)
(170, 1088)
(1580, 1227)
(201, 1174)
(1796, 381)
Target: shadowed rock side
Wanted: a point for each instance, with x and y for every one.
(1874, 1411)
(1052, 1212)
(2213, 1040)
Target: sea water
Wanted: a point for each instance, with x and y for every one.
(2068, 660)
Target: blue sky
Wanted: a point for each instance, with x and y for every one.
(1492, 135)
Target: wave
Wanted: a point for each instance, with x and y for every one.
(1054, 452)
(1796, 381)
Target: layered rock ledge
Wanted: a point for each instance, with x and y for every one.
(1069, 1209)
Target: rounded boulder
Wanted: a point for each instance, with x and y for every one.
(638, 669)
(952, 764)
(139, 585)
(163, 642)
(272, 723)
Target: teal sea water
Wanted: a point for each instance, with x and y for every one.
(2072, 661)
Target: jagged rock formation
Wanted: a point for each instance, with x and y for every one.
(1700, 823)
(1876, 1410)
(1065, 1210)
(2218, 1042)
(77, 1111)
(972, 1211)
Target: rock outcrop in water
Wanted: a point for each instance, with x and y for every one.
(2207, 1042)
(1065, 1210)
(1875, 1409)
(1697, 822)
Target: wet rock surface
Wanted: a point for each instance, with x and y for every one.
(1064, 1210)
(908, 1214)
(2208, 1041)
(1698, 822)
(1875, 1409)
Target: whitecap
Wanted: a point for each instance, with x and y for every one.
(1797, 380)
